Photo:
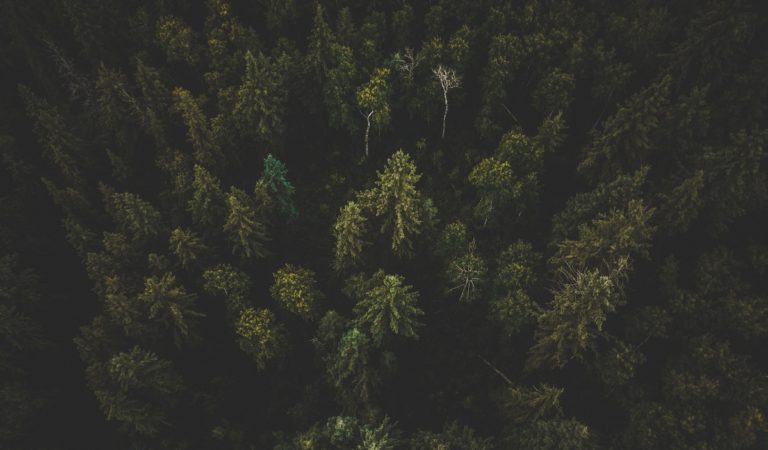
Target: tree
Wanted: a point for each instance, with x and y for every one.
(258, 103)
(352, 371)
(199, 134)
(452, 437)
(537, 421)
(349, 230)
(134, 215)
(389, 305)
(187, 246)
(466, 274)
(170, 304)
(136, 388)
(260, 335)
(396, 199)
(515, 278)
(208, 203)
(230, 281)
(177, 38)
(448, 81)
(279, 187)
(296, 290)
(244, 231)
(373, 101)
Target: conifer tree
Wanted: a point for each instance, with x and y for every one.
(389, 305)
(244, 231)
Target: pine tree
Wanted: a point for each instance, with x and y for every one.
(389, 305)
(246, 234)
(279, 187)
(349, 230)
(170, 304)
(208, 203)
(187, 246)
(396, 199)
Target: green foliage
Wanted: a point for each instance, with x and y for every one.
(278, 185)
(538, 421)
(246, 234)
(187, 246)
(136, 389)
(466, 275)
(610, 238)
(351, 370)
(597, 266)
(388, 306)
(453, 437)
(627, 136)
(258, 104)
(199, 133)
(395, 198)
(260, 335)
(296, 290)
(580, 309)
(177, 39)
(349, 230)
(170, 303)
(512, 305)
(208, 202)
(135, 215)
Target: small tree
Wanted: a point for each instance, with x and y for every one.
(349, 230)
(296, 290)
(260, 335)
(373, 101)
(448, 81)
(389, 305)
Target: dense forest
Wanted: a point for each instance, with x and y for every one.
(383, 224)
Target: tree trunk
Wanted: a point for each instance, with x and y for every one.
(445, 114)
(367, 131)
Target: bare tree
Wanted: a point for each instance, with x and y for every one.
(367, 128)
(448, 80)
(407, 62)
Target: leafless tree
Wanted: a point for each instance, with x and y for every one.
(448, 80)
(407, 62)
(367, 128)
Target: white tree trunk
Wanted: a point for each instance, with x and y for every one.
(445, 114)
(367, 131)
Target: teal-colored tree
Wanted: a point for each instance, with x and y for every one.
(280, 189)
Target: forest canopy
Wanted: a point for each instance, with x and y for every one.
(387, 224)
